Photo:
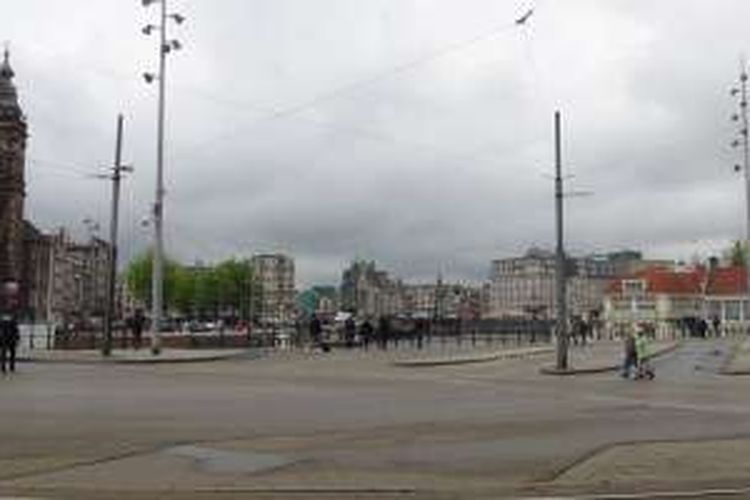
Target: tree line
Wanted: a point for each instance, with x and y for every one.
(228, 289)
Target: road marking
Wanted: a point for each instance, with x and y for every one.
(651, 494)
(671, 405)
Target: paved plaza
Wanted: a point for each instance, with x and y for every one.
(350, 424)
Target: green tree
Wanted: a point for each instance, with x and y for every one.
(233, 279)
(206, 291)
(138, 278)
(737, 254)
(185, 289)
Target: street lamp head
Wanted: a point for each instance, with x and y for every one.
(171, 45)
(178, 18)
(148, 29)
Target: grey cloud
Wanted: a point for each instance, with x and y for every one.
(436, 167)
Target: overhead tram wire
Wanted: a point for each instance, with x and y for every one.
(75, 170)
(380, 137)
(274, 114)
(356, 85)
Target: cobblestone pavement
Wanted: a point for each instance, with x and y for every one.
(351, 425)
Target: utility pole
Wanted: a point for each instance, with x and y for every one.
(117, 171)
(50, 287)
(561, 326)
(157, 288)
(745, 167)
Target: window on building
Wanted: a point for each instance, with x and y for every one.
(633, 287)
(713, 309)
(646, 306)
(732, 310)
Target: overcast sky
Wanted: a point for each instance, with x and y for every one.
(414, 132)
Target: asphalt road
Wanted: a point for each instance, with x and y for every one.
(695, 358)
(344, 426)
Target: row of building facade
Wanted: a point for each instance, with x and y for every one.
(65, 280)
(616, 291)
(516, 287)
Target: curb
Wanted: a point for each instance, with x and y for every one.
(418, 363)
(125, 361)
(605, 368)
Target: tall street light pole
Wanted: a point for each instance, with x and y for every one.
(745, 167)
(561, 326)
(157, 285)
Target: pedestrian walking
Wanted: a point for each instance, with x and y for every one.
(137, 322)
(644, 369)
(350, 331)
(631, 357)
(9, 332)
(419, 332)
(9, 336)
(365, 332)
(384, 332)
(316, 331)
(716, 322)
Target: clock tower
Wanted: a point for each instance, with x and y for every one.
(12, 185)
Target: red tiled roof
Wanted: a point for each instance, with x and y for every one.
(663, 281)
(660, 280)
(721, 281)
(727, 281)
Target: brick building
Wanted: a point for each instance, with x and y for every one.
(13, 136)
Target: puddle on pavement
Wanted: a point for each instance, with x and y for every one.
(224, 461)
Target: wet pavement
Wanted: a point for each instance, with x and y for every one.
(694, 358)
(344, 422)
(213, 460)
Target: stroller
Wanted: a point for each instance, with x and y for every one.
(645, 371)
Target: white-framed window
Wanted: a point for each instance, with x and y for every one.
(633, 287)
(732, 310)
(646, 305)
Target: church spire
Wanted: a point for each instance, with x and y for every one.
(9, 107)
(6, 72)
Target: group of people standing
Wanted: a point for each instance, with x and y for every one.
(636, 363)
(365, 334)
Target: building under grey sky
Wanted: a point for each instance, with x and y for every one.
(417, 133)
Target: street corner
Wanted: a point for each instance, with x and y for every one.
(469, 358)
(643, 469)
